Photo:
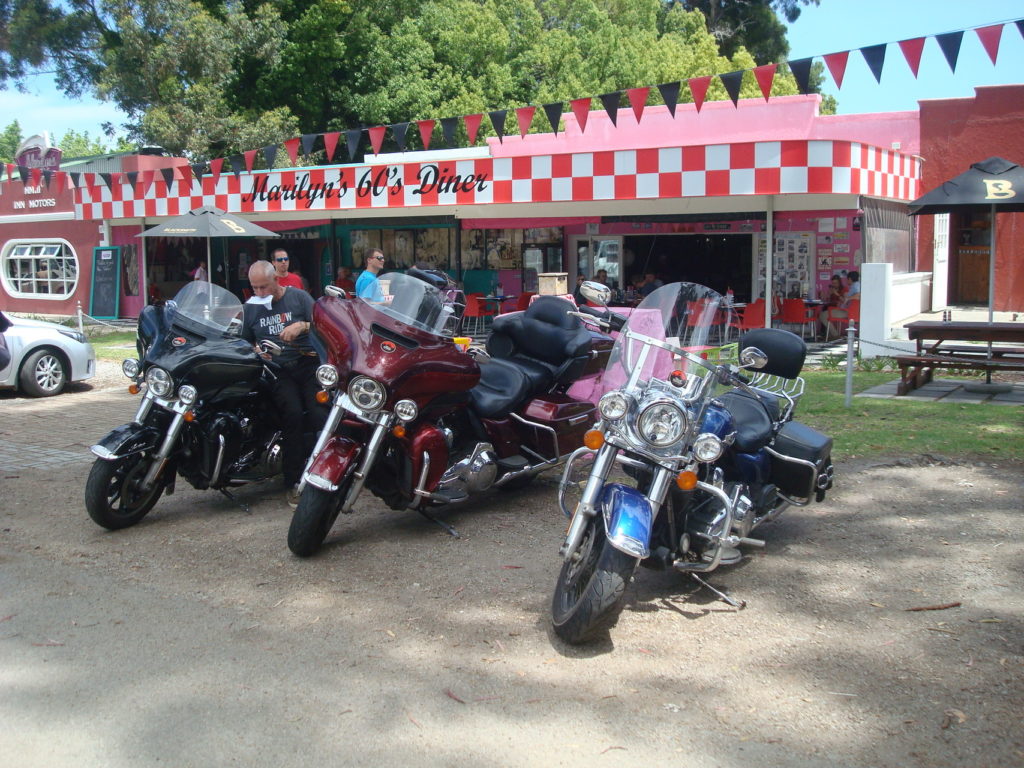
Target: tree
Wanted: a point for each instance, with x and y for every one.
(10, 138)
(751, 24)
(73, 144)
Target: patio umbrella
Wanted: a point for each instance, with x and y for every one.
(208, 222)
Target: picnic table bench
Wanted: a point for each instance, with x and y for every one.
(917, 369)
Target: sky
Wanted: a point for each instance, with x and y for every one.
(835, 25)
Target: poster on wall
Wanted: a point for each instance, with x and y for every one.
(793, 260)
(105, 291)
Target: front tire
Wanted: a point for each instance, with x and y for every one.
(313, 518)
(43, 374)
(112, 495)
(588, 594)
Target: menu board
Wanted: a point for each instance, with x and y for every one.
(105, 293)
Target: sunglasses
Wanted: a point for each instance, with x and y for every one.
(281, 258)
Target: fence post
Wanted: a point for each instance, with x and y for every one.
(78, 311)
(851, 332)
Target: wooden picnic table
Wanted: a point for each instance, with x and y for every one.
(935, 350)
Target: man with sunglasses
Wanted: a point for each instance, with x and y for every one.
(284, 277)
(367, 286)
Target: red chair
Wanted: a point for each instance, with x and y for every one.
(795, 312)
(750, 317)
(524, 301)
(478, 312)
(838, 318)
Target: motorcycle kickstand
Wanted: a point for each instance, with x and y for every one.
(738, 604)
(441, 523)
(233, 498)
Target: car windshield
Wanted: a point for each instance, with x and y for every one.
(416, 303)
(210, 306)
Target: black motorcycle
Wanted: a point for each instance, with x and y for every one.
(205, 414)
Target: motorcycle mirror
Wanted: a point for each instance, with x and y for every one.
(335, 292)
(752, 357)
(271, 347)
(596, 292)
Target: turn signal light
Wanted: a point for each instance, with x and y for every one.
(189, 416)
(398, 430)
(322, 397)
(134, 389)
(593, 439)
(686, 480)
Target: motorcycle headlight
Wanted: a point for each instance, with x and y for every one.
(159, 381)
(613, 406)
(661, 424)
(130, 367)
(406, 410)
(327, 375)
(187, 394)
(366, 393)
(707, 447)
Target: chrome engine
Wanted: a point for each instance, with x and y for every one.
(472, 474)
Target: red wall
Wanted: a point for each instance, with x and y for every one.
(958, 132)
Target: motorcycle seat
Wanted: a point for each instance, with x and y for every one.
(752, 419)
(502, 386)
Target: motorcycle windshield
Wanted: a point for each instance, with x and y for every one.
(208, 308)
(414, 302)
(677, 327)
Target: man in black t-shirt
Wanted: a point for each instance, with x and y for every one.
(284, 315)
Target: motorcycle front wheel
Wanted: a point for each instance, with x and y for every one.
(590, 587)
(313, 518)
(113, 497)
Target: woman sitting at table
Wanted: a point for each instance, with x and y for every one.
(835, 303)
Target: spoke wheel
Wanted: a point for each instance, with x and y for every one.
(43, 374)
(113, 496)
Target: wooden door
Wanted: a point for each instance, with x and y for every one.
(972, 274)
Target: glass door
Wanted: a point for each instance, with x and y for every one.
(595, 253)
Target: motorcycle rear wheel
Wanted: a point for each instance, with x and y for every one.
(313, 518)
(112, 495)
(589, 591)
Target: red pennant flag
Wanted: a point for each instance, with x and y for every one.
(836, 63)
(581, 108)
(292, 145)
(215, 165)
(472, 126)
(331, 143)
(250, 157)
(637, 100)
(11, 168)
(377, 137)
(990, 37)
(36, 174)
(426, 131)
(912, 53)
(699, 89)
(765, 77)
(524, 116)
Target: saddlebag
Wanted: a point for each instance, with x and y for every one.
(801, 462)
(553, 425)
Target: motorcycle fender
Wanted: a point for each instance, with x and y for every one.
(333, 463)
(628, 518)
(126, 440)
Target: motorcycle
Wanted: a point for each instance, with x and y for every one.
(205, 413)
(421, 423)
(689, 456)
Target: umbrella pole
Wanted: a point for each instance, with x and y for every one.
(209, 271)
(991, 281)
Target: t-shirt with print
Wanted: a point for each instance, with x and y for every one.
(262, 321)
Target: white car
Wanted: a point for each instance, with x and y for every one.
(44, 356)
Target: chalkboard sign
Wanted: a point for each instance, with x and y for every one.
(105, 298)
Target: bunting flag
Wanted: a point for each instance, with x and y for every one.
(554, 113)
(215, 167)
(197, 170)
(250, 158)
(732, 82)
(524, 116)
(498, 123)
(148, 177)
(1020, 27)
(638, 100)
(74, 176)
(581, 109)
(801, 69)
(377, 137)
(398, 130)
(990, 37)
(308, 142)
(765, 76)
(699, 89)
(912, 53)
(472, 126)
(107, 179)
(670, 95)
(836, 63)
(23, 173)
(72, 185)
(874, 55)
(36, 175)
(448, 130)
(292, 147)
(133, 178)
(352, 139)
(237, 163)
(270, 155)
(611, 105)
(47, 175)
(330, 145)
(950, 45)
(426, 131)
(10, 171)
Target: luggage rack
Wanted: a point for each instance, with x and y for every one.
(788, 390)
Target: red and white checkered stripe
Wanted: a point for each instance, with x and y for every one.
(716, 170)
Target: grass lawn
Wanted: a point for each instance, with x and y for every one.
(114, 346)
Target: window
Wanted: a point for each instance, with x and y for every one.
(39, 269)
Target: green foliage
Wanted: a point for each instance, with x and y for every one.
(10, 138)
(74, 144)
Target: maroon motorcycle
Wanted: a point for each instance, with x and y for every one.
(420, 422)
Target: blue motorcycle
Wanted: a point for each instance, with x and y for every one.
(690, 455)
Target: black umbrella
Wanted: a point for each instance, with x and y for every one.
(208, 222)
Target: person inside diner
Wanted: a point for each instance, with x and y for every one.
(835, 304)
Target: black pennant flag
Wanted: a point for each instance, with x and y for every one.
(498, 121)
(270, 155)
(308, 140)
(352, 137)
(670, 95)
(399, 130)
(198, 169)
(168, 174)
(732, 82)
(23, 172)
(874, 55)
(554, 113)
(448, 125)
(133, 177)
(1020, 27)
(237, 164)
(950, 45)
(108, 178)
(47, 175)
(801, 69)
(611, 104)
(75, 177)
